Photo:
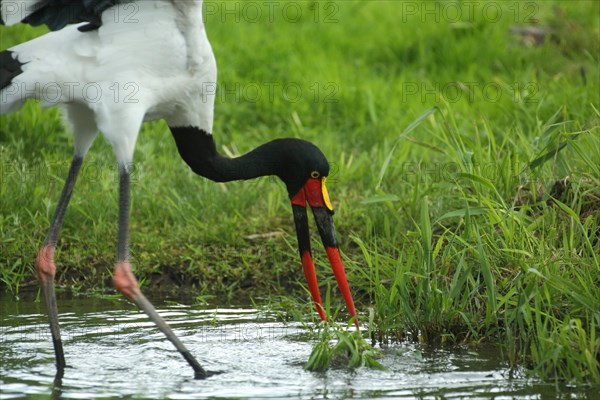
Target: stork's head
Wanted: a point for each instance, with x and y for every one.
(304, 170)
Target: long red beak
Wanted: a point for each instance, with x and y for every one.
(315, 193)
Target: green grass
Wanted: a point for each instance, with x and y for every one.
(339, 346)
(350, 350)
(477, 222)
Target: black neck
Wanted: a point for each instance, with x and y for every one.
(198, 150)
(292, 160)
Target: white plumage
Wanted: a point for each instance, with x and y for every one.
(155, 64)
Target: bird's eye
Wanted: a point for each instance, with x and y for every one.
(315, 174)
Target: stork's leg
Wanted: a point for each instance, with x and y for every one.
(126, 283)
(44, 263)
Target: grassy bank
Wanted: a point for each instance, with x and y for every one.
(465, 156)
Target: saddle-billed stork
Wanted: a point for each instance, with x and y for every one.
(159, 53)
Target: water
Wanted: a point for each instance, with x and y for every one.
(114, 352)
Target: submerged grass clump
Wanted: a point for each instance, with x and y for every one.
(339, 347)
(342, 346)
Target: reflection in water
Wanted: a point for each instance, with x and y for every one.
(114, 351)
(57, 384)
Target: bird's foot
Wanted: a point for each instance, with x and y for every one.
(44, 265)
(207, 374)
(124, 280)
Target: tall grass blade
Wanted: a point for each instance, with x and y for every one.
(406, 131)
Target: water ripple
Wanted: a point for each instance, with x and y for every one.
(114, 351)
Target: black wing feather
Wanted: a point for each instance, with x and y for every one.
(57, 14)
(9, 68)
